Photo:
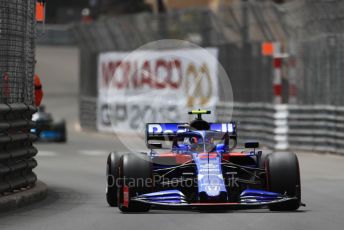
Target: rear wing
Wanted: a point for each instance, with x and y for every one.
(169, 131)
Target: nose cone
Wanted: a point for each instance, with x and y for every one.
(212, 190)
(211, 184)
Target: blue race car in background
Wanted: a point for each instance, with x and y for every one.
(201, 169)
(46, 129)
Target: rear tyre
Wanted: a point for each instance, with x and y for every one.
(283, 176)
(61, 128)
(112, 166)
(136, 173)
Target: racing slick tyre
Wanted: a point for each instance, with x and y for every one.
(135, 171)
(263, 158)
(261, 164)
(283, 176)
(112, 165)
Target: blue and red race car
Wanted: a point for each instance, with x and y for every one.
(201, 169)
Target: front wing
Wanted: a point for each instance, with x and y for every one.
(215, 204)
(174, 198)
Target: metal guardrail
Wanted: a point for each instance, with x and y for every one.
(16, 147)
(262, 121)
(88, 113)
(318, 128)
(55, 35)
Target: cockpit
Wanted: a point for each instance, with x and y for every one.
(203, 141)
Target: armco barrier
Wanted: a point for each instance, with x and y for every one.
(317, 128)
(88, 113)
(54, 35)
(261, 121)
(16, 149)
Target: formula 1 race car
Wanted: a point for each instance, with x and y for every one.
(202, 169)
(46, 129)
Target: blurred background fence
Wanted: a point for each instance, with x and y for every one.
(17, 61)
(54, 35)
(310, 34)
(316, 30)
(250, 72)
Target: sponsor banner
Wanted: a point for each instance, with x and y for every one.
(154, 86)
(160, 129)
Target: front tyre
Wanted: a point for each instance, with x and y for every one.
(263, 158)
(112, 165)
(283, 176)
(136, 178)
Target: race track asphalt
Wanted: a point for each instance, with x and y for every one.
(75, 175)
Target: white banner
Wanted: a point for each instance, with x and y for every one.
(155, 86)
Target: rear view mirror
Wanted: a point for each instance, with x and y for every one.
(252, 145)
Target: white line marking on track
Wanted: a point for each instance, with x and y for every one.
(93, 153)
